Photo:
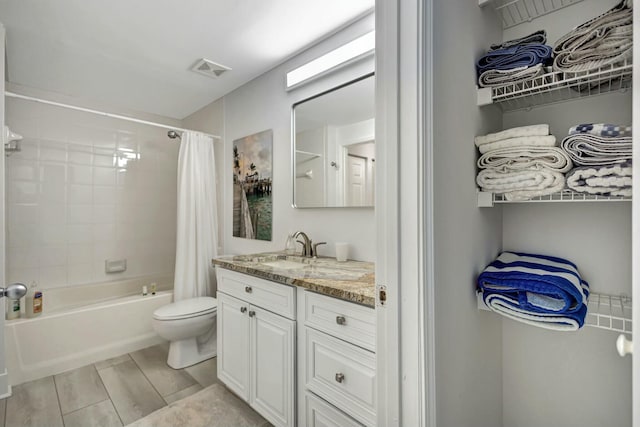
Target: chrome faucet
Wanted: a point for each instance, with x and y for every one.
(309, 250)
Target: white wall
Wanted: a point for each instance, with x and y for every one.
(84, 189)
(264, 104)
(468, 343)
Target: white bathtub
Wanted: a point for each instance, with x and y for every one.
(82, 325)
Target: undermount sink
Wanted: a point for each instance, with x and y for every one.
(284, 264)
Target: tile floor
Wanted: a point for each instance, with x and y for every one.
(114, 392)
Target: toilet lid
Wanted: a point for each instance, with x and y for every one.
(186, 308)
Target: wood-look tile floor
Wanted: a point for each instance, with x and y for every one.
(113, 392)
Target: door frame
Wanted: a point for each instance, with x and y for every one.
(5, 385)
(635, 225)
(404, 213)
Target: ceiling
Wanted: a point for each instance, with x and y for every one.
(137, 54)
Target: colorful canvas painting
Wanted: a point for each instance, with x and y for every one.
(252, 186)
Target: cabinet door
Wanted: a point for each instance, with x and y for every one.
(272, 366)
(233, 344)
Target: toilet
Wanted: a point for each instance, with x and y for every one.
(190, 327)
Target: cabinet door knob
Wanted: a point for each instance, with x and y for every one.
(248, 289)
(340, 320)
(243, 309)
(252, 313)
(339, 377)
(624, 346)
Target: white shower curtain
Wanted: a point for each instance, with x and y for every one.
(197, 237)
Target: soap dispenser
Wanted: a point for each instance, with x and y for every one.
(33, 301)
(290, 246)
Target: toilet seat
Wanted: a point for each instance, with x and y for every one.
(187, 308)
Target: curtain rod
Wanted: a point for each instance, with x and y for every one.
(102, 113)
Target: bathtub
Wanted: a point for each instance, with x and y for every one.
(82, 325)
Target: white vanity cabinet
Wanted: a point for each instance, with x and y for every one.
(256, 341)
(336, 362)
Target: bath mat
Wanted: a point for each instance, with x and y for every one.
(215, 406)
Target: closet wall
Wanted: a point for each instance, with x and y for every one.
(493, 371)
(574, 379)
(468, 342)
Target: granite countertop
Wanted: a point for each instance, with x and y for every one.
(350, 281)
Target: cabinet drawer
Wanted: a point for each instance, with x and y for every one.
(321, 414)
(342, 374)
(345, 320)
(271, 296)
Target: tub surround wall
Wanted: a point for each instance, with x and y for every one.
(264, 104)
(84, 189)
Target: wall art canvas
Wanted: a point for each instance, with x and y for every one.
(252, 186)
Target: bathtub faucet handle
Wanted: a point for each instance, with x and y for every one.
(14, 291)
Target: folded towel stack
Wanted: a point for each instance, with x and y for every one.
(603, 153)
(521, 163)
(539, 290)
(514, 61)
(606, 40)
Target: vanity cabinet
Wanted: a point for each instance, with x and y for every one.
(336, 362)
(256, 342)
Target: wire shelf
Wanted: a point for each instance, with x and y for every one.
(610, 312)
(514, 12)
(487, 199)
(557, 86)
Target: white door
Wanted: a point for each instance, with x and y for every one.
(272, 366)
(356, 181)
(233, 344)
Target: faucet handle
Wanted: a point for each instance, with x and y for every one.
(315, 248)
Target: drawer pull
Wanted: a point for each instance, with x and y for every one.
(243, 309)
(339, 377)
(340, 320)
(248, 289)
(252, 313)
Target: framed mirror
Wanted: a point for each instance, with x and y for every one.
(333, 152)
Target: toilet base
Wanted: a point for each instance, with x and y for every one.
(188, 352)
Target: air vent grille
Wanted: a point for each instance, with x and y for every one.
(209, 68)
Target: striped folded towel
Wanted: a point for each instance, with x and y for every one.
(536, 289)
(591, 150)
(602, 41)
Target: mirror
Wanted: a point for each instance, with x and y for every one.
(334, 147)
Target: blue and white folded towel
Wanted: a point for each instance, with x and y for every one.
(540, 290)
(514, 57)
(601, 129)
(609, 180)
(537, 37)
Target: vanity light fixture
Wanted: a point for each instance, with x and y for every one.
(354, 50)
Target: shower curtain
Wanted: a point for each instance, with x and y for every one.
(197, 237)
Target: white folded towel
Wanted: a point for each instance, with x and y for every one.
(521, 185)
(511, 159)
(531, 130)
(521, 141)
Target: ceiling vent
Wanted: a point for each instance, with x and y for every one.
(209, 69)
